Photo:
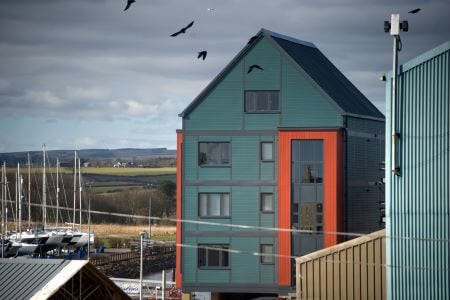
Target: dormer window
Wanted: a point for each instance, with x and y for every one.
(262, 101)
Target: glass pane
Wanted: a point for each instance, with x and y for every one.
(307, 150)
(307, 171)
(214, 205)
(318, 150)
(201, 257)
(267, 202)
(267, 151)
(203, 205)
(225, 153)
(249, 101)
(262, 102)
(267, 249)
(213, 155)
(274, 106)
(202, 157)
(225, 256)
(213, 258)
(225, 205)
(307, 193)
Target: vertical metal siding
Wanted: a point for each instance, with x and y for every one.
(418, 200)
(351, 270)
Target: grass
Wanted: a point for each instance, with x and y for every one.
(131, 231)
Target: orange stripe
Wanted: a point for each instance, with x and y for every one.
(333, 188)
(178, 274)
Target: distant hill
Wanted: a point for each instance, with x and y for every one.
(94, 156)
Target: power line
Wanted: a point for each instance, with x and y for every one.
(298, 231)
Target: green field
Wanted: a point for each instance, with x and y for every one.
(128, 171)
(102, 171)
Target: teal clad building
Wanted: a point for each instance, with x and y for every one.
(418, 198)
(280, 139)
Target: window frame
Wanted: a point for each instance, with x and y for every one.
(206, 165)
(264, 257)
(255, 110)
(261, 151)
(261, 206)
(220, 204)
(207, 248)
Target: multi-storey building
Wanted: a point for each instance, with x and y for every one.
(274, 160)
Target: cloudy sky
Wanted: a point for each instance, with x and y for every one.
(85, 74)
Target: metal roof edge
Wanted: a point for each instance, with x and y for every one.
(301, 70)
(288, 38)
(59, 279)
(366, 117)
(421, 58)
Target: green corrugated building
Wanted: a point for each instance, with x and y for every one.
(418, 198)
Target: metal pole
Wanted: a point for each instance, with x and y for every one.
(44, 193)
(79, 183)
(89, 226)
(141, 266)
(74, 190)
(57, 193)
(29, 190)
(394, 133)
(150, 218)
(163, 284)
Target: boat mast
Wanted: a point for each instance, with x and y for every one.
(19, 190)
(74, 189)
(57, 192)
(16, 194)
(79, 184)
(3, 205)
(44, 192)
(29, 190)
(5, 183)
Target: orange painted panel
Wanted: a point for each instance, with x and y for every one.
(333, 191)
(178, 274)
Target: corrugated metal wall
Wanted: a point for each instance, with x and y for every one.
(418, 200)
(351, 270)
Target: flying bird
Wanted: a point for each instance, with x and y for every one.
(129, 2)
(183, 30)
(414, 11)
(254, 67)
(202, 54)
(252, 39)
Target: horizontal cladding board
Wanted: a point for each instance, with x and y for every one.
(230, 183)
(230, 132)
(231, 288)
(230, 233)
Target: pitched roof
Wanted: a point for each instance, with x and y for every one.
(308, 58)
(21, 278)
(28, 278)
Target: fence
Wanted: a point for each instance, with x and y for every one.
(355, 269)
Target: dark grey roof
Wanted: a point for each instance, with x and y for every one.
(328, 77)
(21, 278)
(306, 55)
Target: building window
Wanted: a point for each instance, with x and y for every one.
(267, 254)
(262, 101)
(214, 204)
(266, 202)
(213, 256)
(214, 154)
(266, 151)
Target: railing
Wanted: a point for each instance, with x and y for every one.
(352, 270)
(151, 251)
